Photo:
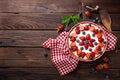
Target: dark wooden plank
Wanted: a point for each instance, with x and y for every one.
(51, 73)
(33, 57)
(42, 6)
(30, 38)
(24, 21)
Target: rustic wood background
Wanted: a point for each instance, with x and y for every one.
(26, 24)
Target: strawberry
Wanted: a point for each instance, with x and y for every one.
(95, 31)
(92, 40)
(101, 40)
(106, 59)
(86, 27)
(73, 39)
(75, 48)
(79, 52)
(87, 13)
(91, 44)
(88, 36)
(83, 54)
(81, 43)
(92, 54)
(105, 66)
(88, 55)
(99, 67)
(77, 31)
(98, 48)
(86, 46)
(82, 38)
(60, 28)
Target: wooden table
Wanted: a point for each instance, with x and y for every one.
(26, 24)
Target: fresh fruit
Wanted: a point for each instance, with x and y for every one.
(86, 27)
(95, 31)
(95, 43)
(101, 44)
(86, 42)
(81, 43)
(74, 34)
(105, 65)
(106, 59)
(87, 13)
(77, 40)
(90, 49)
(81, 48)
(83, 54)
(83, 33)
(86, 46)
(92, 28)
(72, 44)
(88, 55)
(98, 48)
(99, 35)
(94, 21)
(77, 31)
(81, 27)
(92, 40)
(79, 51)
(88, 36)
(91, 44)
(73, 39)
(75, 48)
(101, 40)
(96, 51)
(99, 67)
(60, 28)
(82, 38)
(92, 54)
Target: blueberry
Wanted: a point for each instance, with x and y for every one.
(104, 42)
(87, 42)
(70, 36)
(93, 35)
(91, 57)
(83, 33)
(78, 40)
(100, 30)
(89, 24)
(71, 48)
(77, 27)
(81, 48)
(90, 49)
(66, 29)
(95, 43)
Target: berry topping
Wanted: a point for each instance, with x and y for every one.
(72, 44)
(90, 24)
(83, 33)
(104, 42)
(74, 34)
(93, 35)
(101, 44)
(83, 54)
(100, 31)
(81, 27)
(86, 46)
(77, 31)
(90, 49)
(79, 51)
(81, 48)
(92, 54)
(77, 27)
(86, 27)
(88, 55)
(92, 28)
(95, 43)
(87, 13)
(88, 36)
(105, 66)
(75, 48)
(77, 40)
(98, 48)
(99, 35)
(101, 40)
(92, 40)
(82, 38)
(94, 21)
(73, 39)
(86, 42)
(95, 31)
(81, 43)
(91, 44)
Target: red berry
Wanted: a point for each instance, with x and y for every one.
(82, 38)
(75, 48)
(88, 36)
(60, 28)
(101, 40)
(83, 54)
(98, 48)
(92, 40)
(77, 31)
(73, 39)
(99, 67)
(86, 46)
(91, 44)
(81, 43)
(86, 27)
(87, 13)
(105, 66)
(92, 54)
(95, 31)
(106, 59)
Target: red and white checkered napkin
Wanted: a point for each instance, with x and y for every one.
(60, 55)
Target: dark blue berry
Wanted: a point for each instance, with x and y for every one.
(83, 33)
(99, 21)
(104, 42)
(94, 21)
(77, 27)
(100, 30)
(95, 43)
(90, 49)
(87, 42)
(97, 18)
(93, 35)
(77, 40)
(81, 48)
(89, 24)
(91, 57)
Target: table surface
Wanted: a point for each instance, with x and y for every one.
(26, 24)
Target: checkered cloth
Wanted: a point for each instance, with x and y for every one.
(60, 55)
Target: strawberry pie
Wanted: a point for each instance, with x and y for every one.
(87, 41)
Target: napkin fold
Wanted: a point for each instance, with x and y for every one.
(60, 54)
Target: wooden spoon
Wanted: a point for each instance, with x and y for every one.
(106, 19)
